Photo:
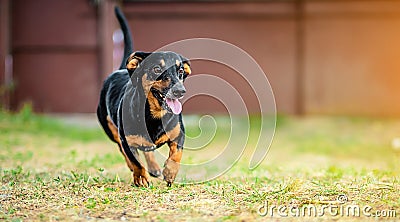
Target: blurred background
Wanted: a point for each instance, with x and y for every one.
(320, 56)
(333, 65)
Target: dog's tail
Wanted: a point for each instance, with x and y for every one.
(128, 49)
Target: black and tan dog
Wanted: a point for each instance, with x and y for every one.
(139, 108)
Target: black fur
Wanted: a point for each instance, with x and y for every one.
(124, 100)
(127, 36)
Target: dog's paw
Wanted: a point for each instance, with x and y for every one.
(155, 173)
(170, 171)
(154, 170)
(141, 178)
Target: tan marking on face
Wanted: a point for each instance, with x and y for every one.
(146, 84)
(160, 85)
(162, 62)
(187, 69)
(170, 135)
(178, 63)
(137, 141)
(155, 107)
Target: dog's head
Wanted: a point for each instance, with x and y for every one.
(162, 75)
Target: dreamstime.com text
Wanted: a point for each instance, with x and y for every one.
(311, 210)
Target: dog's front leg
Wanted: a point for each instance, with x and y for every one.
(172, 163)
(140, 176)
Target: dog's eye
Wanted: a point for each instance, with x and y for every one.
(181, 72)
(157, 69)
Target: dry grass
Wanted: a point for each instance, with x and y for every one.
(50, 171)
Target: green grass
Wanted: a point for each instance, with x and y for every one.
(53, 171)
(25, 122)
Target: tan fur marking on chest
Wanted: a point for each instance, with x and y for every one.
(170, 135)
(137, 141)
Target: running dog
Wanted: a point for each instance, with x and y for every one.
(139, 108)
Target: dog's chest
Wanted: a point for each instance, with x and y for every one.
(163, 130)
(158, 133)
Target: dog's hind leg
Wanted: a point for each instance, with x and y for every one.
(152, 165)
(117, 139)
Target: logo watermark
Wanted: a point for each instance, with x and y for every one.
(338, 208)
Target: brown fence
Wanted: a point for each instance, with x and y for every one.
(321, 57)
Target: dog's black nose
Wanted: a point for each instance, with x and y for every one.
(178, 91)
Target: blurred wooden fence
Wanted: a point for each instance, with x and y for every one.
(321, 57)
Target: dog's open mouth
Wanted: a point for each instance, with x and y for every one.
(174, 104)
(171, 104)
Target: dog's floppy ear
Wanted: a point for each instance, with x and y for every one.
(186, 66)
(134, 60)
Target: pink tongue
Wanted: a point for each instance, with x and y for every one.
(175, 105)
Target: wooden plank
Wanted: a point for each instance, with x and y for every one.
(352, 65)
(5, 59)
(53, 23)
(56, 82)
(272, 43)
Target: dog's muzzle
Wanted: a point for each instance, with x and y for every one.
(173, 96)
(178, 91)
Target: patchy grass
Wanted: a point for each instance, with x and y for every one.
(53, 171)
